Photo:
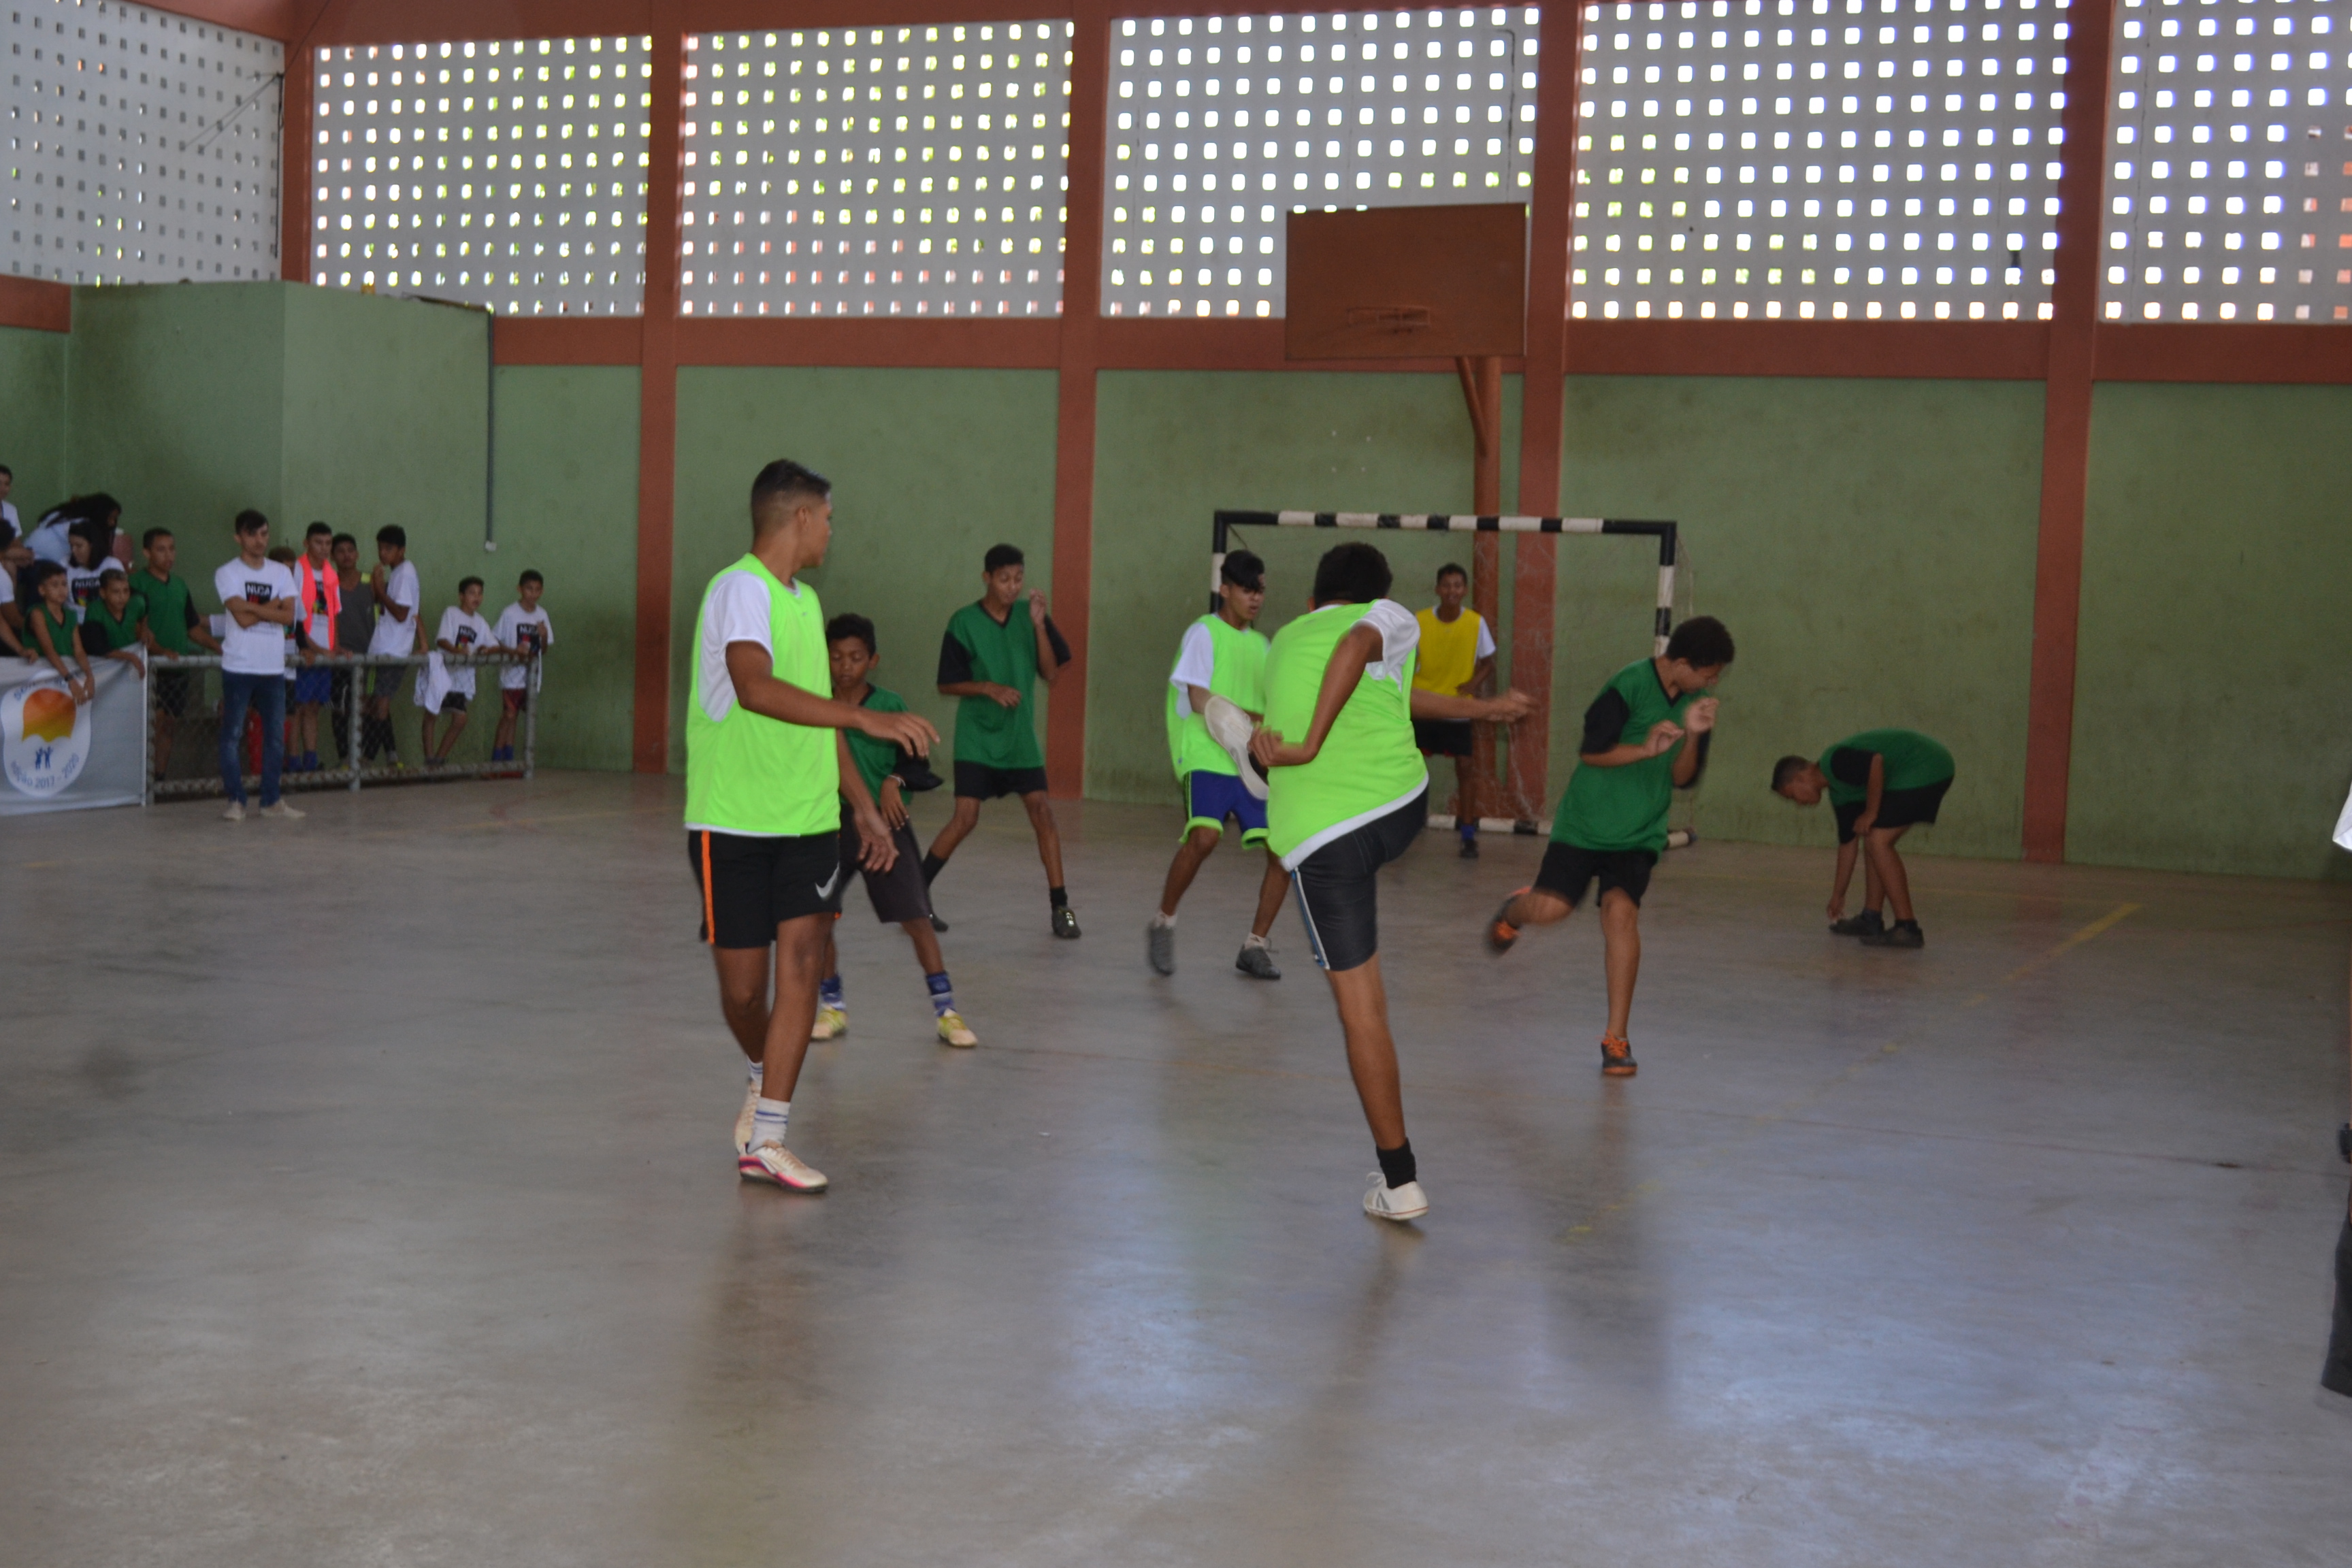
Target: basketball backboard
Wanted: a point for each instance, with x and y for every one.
(1407, 283)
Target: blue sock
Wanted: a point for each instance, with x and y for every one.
(1469, 827)
(829, 994)
(942, 994)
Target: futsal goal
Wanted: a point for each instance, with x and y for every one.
(1666, 536)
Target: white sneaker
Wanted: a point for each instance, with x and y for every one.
(743, 1118)
(778, 1166)
(1384, 1202)
(283, 812)
(954, 1031)
(832, 1023)
(1231, 728)
(236, 812)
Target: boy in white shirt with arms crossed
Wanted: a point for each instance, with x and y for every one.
(522, 630)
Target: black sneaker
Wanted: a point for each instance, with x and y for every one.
(1066, 922)
(1870, 922)
(1470, 849)
(1902, 933)
(939, 925)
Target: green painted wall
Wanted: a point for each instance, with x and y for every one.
(930, 468)
(1871, 546)
(2209, 711)
(33, 417)
(1172, 447)
(567, 507)
(176, 407)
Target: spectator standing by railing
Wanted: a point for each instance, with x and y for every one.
(399, 629)
(322, 600)
(261, 600)
(51, 632)
(170, 627)
(12, 528)
(354, 621)
(110, 623)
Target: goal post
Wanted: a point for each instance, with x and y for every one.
(1667, 535)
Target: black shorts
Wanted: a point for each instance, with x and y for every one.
(385, 681)
(978, 781)
(454, 701)
(750, 886)
(1337, 893)
(170, 691)
(1442, 737)
(899, 894)
(1569, 869)
(1896, 808)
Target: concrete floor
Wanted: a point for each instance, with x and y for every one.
(364, 1200)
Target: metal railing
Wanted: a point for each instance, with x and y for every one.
(182, 698)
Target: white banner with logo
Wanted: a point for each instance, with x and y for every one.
(57, 754)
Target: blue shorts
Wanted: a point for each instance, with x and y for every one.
(1210, 798)
(314, 685)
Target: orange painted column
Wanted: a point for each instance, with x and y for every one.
(2066, 434)
(297, 165)
(657, 392)
(1550, 219)
(1074, 454)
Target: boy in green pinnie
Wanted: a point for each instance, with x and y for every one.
(1645, 736)
(1880, 782)
(1222, 654)
(111, 622)
(900, 895)
(991, 659)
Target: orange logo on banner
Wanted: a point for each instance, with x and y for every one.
(48, 715)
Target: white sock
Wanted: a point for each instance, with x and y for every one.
(1256, 940)
(767, 1122)
(1162, 923)
(759, 1070)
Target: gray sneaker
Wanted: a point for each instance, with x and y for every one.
(1159, 946)
(1256, 960)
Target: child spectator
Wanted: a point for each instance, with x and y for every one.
(49, 630)
(257, 596)
(171, 630)
(354, 629)
(463, 631)
(523, 628)
(1457, 659)
(110, 624)
(900, 895)
(398, 633)
(321, 600)
(992, 659)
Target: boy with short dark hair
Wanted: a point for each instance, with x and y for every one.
(1881, 783)
(354, 629)
(1457, 657)
(260, 601)
(110, 623)
(900, 895)
(524, 631)
(399, 632)
(171, 630)
(1349, 795)
(321, 590)
(991, 659)
(50, 631)
(462, 631)
(1610, 824)
(1222, 657)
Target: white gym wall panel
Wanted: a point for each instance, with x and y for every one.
(2229, 179)
(1220, 125)
(1819, 159)
(142, 146)
(508, 173)
(893, 171)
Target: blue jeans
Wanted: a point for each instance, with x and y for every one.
(265, 695)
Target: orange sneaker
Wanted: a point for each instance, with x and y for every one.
(1617, 1057)
(1500, 932)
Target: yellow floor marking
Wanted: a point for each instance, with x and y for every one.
(1787, 1110)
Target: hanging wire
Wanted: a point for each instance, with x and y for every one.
(275, 79)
